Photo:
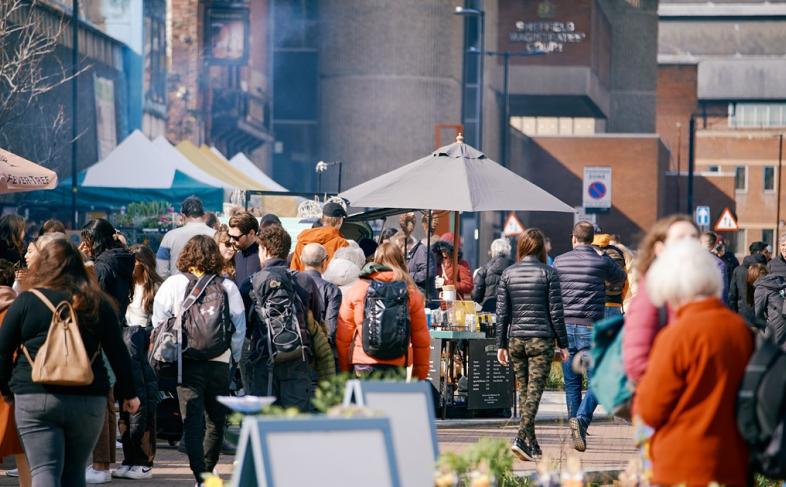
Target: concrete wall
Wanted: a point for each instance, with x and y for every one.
(390, 71)
(634, 35)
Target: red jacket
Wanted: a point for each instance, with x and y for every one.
(465, 282)
(349, 343)
(688, 396)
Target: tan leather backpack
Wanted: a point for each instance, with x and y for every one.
(62, 359)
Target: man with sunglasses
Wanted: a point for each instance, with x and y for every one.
(243, 230)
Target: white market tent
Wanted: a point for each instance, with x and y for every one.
(183, 164)
(243, 163)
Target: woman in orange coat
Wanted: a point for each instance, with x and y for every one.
(388, 266)
(689, 389)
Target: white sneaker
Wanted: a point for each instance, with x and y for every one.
(93, 476)
(121, 472)
(12, 473)
(138, 472)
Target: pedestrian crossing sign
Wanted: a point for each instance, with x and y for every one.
(513, 226)
(727, 222)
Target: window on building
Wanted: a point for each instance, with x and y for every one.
(741, 244)
(555, 125)
(757, 115)
(714, 169)
(769, 178)
(768, 236)
(155, 77)
(741, 178)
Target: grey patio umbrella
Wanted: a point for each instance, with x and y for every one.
(455, 177)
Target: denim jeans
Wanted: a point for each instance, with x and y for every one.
(204, 418)
(612, 311)
(579, 339)
(59, 432)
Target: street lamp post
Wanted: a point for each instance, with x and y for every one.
(74, 109)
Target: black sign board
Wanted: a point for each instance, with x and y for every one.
(490, 384)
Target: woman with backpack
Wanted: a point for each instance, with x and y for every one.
(58, 442)
(385, 279)
(529, 320)
(114, 266)
(689, 390)
(643, 320)
(139, 449)
(202, 380)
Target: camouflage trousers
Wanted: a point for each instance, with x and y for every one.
(531, 359)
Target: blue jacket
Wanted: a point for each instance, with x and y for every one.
(583, 275)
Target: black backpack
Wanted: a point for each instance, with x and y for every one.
(280, 313)
(386, 320)
(201, 331)
(761, 406)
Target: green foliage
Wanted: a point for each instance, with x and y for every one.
(330, 393)
(495, 453)
(762, 481)
(556, 381)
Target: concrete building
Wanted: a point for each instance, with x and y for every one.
(724, 63)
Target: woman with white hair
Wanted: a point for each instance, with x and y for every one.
(689, 390)
(487, 277)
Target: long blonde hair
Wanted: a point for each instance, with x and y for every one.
(390, 254)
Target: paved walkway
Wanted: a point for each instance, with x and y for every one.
(609, 445)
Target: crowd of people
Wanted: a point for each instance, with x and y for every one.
(241, 302)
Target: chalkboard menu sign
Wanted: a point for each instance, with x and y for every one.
(490, 384)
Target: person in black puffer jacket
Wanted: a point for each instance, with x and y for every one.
(529, 319)
(738, 285)
(584, 275)
(487, 277)
(114, 264)
(114, 269)
(768, 305)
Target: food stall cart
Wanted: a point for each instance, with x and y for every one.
(468, 181)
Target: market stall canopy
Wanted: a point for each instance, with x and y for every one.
(209, 162)
(17, 174)
(243, 163)
(138, 170)
(456, 177)
(183, 164)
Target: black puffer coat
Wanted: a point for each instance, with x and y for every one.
(115, 271)
(529, 303)
(739, 284)
(768, 305)
(486, 280)
(583, 275)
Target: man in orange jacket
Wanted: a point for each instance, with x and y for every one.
(328, 235)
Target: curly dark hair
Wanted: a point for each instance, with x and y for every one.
(7, 273)
(201, 253)
(276, 241)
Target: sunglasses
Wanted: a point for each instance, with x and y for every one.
(235, 238)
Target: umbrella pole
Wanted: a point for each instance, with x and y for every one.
(428, 257)
(456, 241)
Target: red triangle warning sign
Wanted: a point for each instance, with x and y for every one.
(513, 226)
(726, 223)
